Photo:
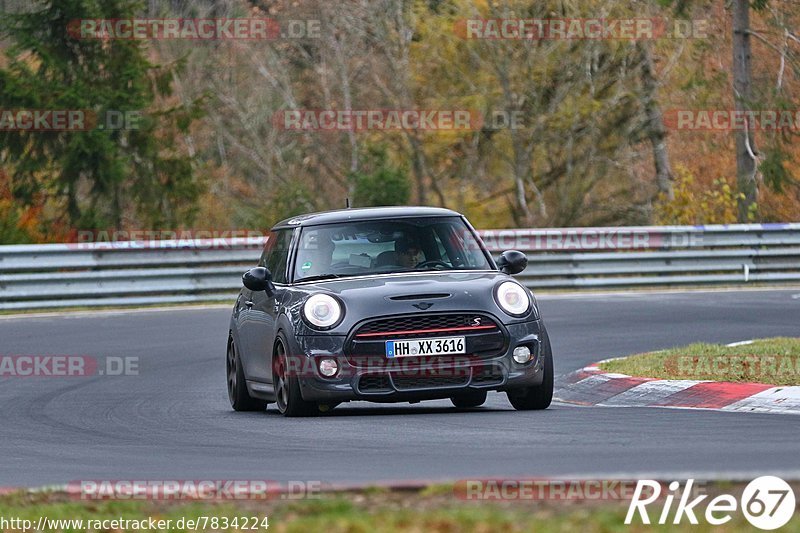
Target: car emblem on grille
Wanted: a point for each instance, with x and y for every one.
(423, 305)
(476, 321)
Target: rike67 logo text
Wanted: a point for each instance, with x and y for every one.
(767, 502)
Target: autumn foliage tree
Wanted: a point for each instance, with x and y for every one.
(572, 132)
(94, 176)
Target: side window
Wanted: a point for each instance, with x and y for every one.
(276, 254)
(269, 245)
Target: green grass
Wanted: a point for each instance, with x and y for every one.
(773, 361)
(434, 510)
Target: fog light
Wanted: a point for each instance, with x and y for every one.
(328, 367)
(522, 354)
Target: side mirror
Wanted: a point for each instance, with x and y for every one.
(259, 279)
(512, 262)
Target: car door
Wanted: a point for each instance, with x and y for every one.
(262, 310)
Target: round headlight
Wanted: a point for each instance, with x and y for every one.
(322, 310)
(513, 299)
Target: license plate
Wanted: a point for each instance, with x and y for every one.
(440, 346)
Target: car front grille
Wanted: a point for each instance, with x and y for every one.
(431, 378)
(428, 382)
(425, 325)
(366, 345)
(374, 383)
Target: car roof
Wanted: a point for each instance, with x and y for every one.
(363, 213)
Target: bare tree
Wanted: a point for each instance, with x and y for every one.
(654, 122)
(746, 154)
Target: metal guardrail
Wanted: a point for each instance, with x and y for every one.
(131, 273)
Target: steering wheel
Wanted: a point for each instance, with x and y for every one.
(433, 263)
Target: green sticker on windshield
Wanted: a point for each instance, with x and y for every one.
(306, 266)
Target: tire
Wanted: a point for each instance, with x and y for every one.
(539, 396)
(469, 399)
(237, 386)
(287, 387)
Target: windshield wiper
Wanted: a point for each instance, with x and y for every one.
(321, 277)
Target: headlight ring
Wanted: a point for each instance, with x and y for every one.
(513, 298)
(323, 311)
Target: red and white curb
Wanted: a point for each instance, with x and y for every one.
(592, 386)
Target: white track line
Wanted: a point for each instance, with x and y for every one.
(740, 343)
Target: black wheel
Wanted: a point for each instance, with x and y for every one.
(539, 396)
(237, 387)
(469, 399)
(287, 387)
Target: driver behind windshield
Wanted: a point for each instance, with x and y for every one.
(408, 252)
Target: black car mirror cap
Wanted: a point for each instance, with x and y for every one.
(259, 279)
(512, 262)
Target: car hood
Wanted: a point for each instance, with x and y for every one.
(429, 292)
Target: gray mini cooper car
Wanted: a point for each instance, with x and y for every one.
(393, 304)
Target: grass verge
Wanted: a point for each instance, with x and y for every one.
(774, 361)
(385, 510)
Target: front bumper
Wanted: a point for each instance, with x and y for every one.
(411, 379)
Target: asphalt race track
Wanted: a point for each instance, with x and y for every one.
(173, 421)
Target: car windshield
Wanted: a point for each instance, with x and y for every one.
(384, 246)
